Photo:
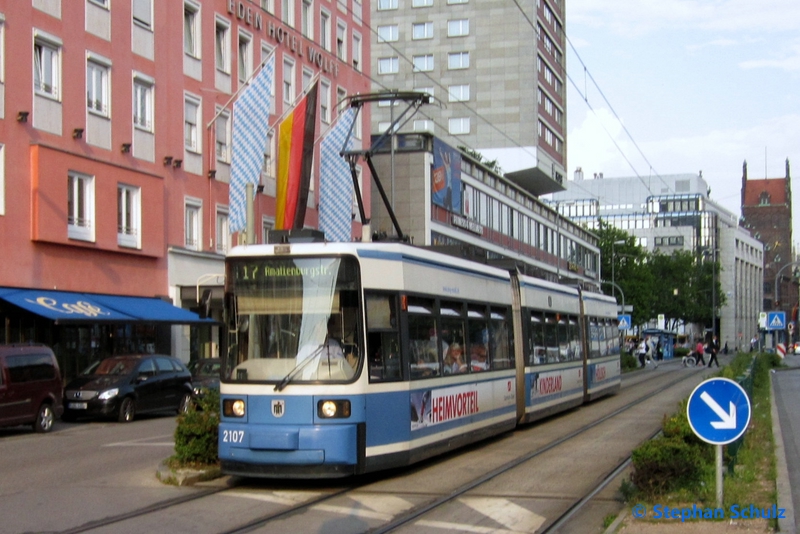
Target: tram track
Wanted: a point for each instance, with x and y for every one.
(430, 504)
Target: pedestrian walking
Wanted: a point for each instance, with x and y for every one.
(713, 348)
(652, 351)
(642, 350)
(699, 350)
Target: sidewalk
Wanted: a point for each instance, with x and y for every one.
(785, 386)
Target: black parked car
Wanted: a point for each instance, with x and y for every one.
(122, 386)
(205, 374)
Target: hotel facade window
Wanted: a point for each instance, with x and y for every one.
(191, 121)
(325, 101)
(46, 67)
(341, 41)
(421, 3)
(307, 19)
(245, 59)
(387, 4)
(143, 13)
(287, 12)
(223, 235)
(143, 102)
(222, 135)
(128, 216)
(192, 227)
(325, 30)
(288, 82)
(191, 29)
(97, 87)
(356, 52)
(80, 206)
(222, 46)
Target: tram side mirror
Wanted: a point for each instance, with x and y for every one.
(205, 304)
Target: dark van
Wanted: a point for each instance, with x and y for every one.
(30, 387)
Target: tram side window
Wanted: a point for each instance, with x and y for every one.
(453, 339)
(478, 332)
(565, 352)
(551, 337)
(574, 351)
(423, 339)
(383, 346)
(594, 338)
(500, 343)
(537, 354)
(612, 335)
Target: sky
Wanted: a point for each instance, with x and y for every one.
(699, 85)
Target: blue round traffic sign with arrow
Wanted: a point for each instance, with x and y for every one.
(718, 411)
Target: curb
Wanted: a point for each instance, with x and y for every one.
(782, 484)
(186, 476)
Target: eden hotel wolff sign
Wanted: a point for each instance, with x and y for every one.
(284, 37)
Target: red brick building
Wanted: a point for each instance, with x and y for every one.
(767, 213)
(115, 147)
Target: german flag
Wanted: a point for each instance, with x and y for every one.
(295, 159)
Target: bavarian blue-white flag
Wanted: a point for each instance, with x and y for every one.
(249, 142)
(336, 182)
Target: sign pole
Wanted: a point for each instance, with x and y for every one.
(719, 475)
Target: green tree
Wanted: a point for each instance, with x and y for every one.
(628, 263)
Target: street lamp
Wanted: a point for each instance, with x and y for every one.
(613, 262)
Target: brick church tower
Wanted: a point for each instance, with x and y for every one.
(767, 213)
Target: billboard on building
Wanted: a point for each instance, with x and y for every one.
(446, 178)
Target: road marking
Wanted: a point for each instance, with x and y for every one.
(139, 442)
(511, 515)
(286, 498)
(348, 511)
(453, 527)
(385, 504)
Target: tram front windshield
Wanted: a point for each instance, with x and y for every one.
(293, 320)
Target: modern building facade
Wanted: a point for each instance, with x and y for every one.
(445, 198)
(495, 68)
(116, 129)
(674, 212)
(767, 213)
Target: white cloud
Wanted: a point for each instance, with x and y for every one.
(790, 60)
(639, 17)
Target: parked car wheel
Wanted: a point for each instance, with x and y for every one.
(127, 410)
(44, 419)
(185, 404)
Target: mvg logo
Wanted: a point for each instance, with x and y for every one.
(278, 408)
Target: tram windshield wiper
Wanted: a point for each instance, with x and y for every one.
(299, 367)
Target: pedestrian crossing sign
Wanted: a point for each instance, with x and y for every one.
(624, 322)
(776, 320)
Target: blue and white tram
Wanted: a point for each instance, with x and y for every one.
(347, 358)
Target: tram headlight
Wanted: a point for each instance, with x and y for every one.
(233, 407)
(333, 409)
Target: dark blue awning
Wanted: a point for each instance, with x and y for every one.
(66, 307)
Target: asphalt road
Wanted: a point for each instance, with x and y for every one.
(81, 472)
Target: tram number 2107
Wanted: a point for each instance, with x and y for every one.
(233, 436)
